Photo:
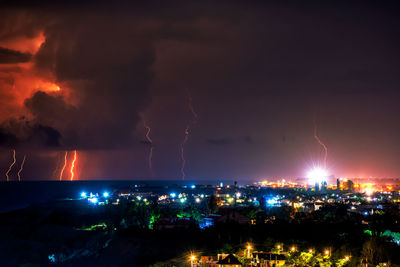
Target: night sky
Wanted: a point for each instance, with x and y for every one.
(251, 80)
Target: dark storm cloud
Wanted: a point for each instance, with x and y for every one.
(259, 72)
(229, 141)
(105, 64)
(22, 133)
(7, 139)
(220, 141)
(10, 56)
(46, 136)
(145, 142)
(248, 139)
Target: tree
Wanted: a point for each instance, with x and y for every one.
(213, 204)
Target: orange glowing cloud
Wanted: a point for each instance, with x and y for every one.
(19, 81)
(24, 44)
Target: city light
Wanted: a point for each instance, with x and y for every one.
(272, 201)
(106, 194)
(83, 195)
(173, 195)
(327, 252)
(192, 258)
(93, 200)
(369, 191)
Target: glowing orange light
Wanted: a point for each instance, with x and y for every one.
(12, 164)
(369, 191)
(65, 165)
(73, 165)
(21, 168)
(20, 81)
(25, 44)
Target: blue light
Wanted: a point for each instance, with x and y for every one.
(52, 258)
(272, 201)
(172, 195)
(106, 194)
(83, 195)
(93, 200)
(193, 186)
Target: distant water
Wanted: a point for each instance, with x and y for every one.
(16, 195)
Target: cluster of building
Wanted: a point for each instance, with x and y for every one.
(269, 195)
(256, 259)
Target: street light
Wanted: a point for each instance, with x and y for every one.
(293, 249)
(248, 250)
(192, 258)
(327, 252)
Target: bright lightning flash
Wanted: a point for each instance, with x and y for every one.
(73, 166)
(12, 164)
(317, 175)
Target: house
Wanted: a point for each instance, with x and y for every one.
(172, 223)
(267, 259)
(229, 261)
(232, 215)
(208, 261)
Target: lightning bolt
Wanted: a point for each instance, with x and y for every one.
(21, 168)
(148, 138)
(12, 164)
(65, 165)
(195, 116)
(322, 144)
(73, 166)
(185, 139)
(187, 133)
